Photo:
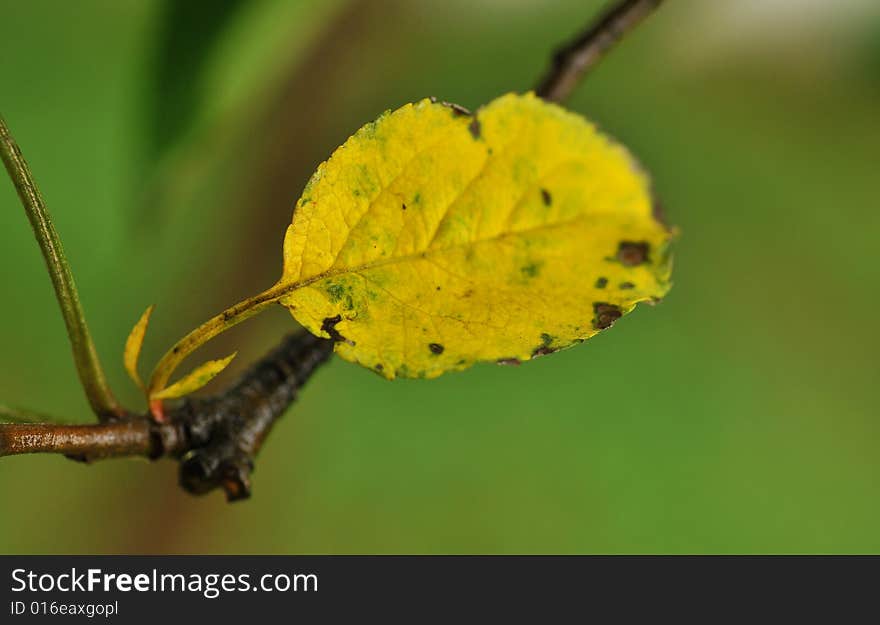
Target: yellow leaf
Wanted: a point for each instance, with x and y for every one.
(194, 380)
(133, 344)
(433, 239)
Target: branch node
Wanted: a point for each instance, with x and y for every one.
(216, 438)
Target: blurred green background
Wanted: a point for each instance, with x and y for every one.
(171, 140)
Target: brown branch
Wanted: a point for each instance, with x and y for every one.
(215, 438)
(226, 432)
(576, 58)
(92, 441)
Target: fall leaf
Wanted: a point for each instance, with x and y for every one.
(433, 239)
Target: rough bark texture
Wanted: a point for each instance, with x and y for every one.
(215, 438)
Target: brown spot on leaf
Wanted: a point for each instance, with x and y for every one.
(601, 283)
(632, 253)
(543, 350)
(513, 362)
(329, 326)
(546, 197)
(435, 348)
(605, 315)
(475, 128)
(403, 206)
(627, 285)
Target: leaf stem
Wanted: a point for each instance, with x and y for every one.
(573, 60)
(88, 366)
(217, 324)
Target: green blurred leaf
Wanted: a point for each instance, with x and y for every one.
(207, 84)
(189, 32)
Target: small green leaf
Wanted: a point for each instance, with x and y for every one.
(188, 35)
(194, 380)
(133, 344)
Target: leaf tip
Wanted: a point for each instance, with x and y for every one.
(133, 345)
(194, 380)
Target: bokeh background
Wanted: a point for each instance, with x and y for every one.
(171, 140)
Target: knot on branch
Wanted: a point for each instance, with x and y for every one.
(215, 438)
(223, 434)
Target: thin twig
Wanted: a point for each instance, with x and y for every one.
(215, 438)
(579, 56)
(93, 441)
(88, 366)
